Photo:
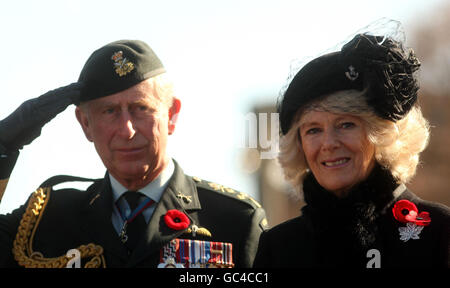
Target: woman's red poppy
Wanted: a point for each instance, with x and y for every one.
(176, 220)
(423, 219)
(405, 211)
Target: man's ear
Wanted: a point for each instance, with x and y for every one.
(83, 119)
(173, 114)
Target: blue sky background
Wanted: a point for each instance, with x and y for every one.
(224, 57)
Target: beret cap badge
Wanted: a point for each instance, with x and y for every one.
(122, 65)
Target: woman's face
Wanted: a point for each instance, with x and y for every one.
(337, 149)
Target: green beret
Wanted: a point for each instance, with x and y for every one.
(118, 66)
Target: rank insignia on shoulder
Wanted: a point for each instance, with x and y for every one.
(184, 253)
(122, 65)
(264, 224)
(221, 188)
(233, 193)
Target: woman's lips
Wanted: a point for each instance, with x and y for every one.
(336, 163)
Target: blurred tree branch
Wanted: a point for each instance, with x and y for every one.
(431, 42)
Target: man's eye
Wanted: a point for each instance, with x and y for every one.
(143, 108)
(109, 111)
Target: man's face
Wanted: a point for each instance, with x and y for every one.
(129, 130)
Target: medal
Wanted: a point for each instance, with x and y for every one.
(123, 233)
(186, 253)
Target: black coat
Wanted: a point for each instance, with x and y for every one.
(334, 232)
(72, 218)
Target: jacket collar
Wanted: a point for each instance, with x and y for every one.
(153, 190)
(97, 218)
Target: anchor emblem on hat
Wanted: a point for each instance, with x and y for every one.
(352, 74)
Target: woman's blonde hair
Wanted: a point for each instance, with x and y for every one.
(397, 145)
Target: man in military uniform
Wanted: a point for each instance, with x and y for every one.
(145, 211)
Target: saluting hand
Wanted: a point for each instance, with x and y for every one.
(25, 123)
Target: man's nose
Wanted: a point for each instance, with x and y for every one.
(127, 129)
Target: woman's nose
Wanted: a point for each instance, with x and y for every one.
(330, 140)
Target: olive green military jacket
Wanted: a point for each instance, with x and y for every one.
(56, 221)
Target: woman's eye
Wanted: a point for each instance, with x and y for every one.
(347, 125)
(312, 131)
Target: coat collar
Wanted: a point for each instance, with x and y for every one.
(353, 219)
(377, 190)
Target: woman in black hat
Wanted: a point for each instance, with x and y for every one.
(352, 135)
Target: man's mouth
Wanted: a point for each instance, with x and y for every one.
(129, 150)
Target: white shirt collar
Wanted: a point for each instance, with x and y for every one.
(153, 190)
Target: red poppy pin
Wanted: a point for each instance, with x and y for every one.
(176, 220)
(406, 212)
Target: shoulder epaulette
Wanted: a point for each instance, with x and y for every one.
(58, 179)
(226, 191)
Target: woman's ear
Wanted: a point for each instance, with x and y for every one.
(83, 119)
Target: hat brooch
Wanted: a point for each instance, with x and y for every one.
(351, 74)
(122, 65)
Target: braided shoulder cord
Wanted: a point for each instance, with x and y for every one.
(22, 247)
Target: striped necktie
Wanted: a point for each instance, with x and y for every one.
(134, 223)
